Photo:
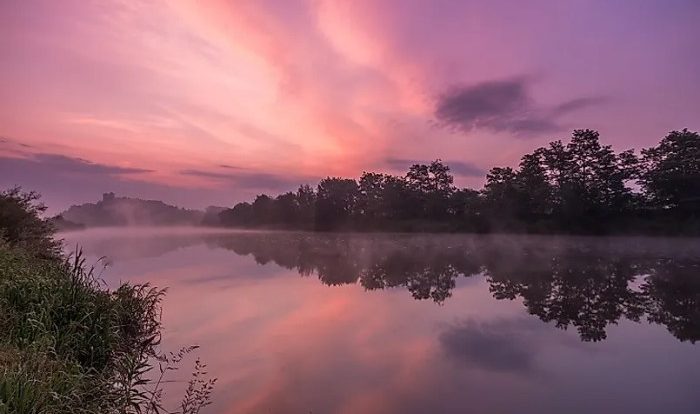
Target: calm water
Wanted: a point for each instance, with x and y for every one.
(305, 323)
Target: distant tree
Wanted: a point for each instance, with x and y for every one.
(263, 209)
(535, 191)
(588, 180)
(306, 201)
(670, 172)
(600, 172)
(286, 208)
(464, 202)
(335, 202)
(501, 193)
(399, 202)
(433, 185)
(578, 187)
(240, 215)
(370, 198)
(466, 209)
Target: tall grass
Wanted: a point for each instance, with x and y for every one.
(70, 345)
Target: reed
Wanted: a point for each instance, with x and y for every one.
(68, 344)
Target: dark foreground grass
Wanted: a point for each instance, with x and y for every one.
(69, 345)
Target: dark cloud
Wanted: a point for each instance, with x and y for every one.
(231, 167)
(576, 104)
(8, 142)
(504, 345)
(209, 174)
(461, 168)
(252, 180)
(503, 105)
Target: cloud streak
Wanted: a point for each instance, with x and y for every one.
(62, 164)
(252, 180)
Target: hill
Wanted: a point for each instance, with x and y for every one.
(126, 211)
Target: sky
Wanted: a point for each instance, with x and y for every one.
(210, 102)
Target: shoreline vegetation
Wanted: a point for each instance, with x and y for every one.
(70, 345)
(581, 187)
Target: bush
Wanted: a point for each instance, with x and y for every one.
(69, 345)
(21, 224)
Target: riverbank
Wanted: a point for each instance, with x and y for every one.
(68, 344)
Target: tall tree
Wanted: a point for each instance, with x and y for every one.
(306, 200)
(501, 193)
(287, 209)
(671, 171)
(335, 201)
(433, 185)
(399, 202)
(465, 207)
(535, 191)
(588, 180)
(263, 210)
(369, 201)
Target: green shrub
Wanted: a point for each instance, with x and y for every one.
(69, 345)
(21, 224)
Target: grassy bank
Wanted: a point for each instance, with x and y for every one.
(69, 345)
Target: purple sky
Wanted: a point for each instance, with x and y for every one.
(210, 102)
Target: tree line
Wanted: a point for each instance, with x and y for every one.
(581, 186)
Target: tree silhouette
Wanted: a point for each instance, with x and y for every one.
(335, 202)
(671, 172)
(582, 186)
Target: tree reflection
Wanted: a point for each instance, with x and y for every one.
(584, 283)
(429, 272)
(586, 291)
(673, 292)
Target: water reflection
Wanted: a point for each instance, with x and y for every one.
(359, 342)
(585, 283)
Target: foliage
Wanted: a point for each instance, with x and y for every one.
(21, 223)
(67, 344)
(671, 171)
(336, 200)
(582, 186)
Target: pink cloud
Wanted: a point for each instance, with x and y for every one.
(325, 87)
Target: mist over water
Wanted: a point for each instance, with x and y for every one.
(396, 323)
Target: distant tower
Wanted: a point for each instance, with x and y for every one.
(107, 196)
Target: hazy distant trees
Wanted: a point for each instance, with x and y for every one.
(578, 186)
(126, 211)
